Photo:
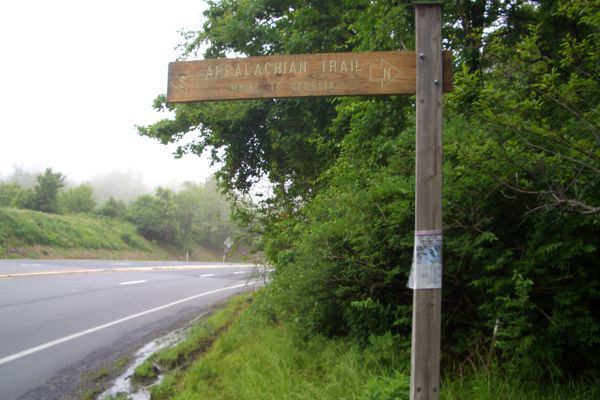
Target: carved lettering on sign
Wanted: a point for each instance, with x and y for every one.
(343, 65)
(385, 72)
(330, 74)
(228, 70)
(304, 86)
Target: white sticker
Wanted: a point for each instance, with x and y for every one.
(426, 269)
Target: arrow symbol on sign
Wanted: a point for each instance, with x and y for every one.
(384, 73)
(185, 82)
(179, 84)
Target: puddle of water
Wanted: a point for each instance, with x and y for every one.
(123, 385)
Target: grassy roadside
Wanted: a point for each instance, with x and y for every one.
(238, 353)
(27, 233)
(254, 359)
(36, 235)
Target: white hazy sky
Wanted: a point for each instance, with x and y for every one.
(76, 76)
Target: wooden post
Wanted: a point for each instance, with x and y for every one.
(426, 323)
(357, 74)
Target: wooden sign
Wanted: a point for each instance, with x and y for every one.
(327, 74)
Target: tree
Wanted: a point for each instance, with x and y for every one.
(284, 141)
(540, 99)
(203, 215)
(9, 193)
(77, 200)
(155, 216)
(521, 182)
(113, 208)
(196, 215)
(46, 191)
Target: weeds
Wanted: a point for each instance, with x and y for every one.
(251, 358)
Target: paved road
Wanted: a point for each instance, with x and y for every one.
(63, 319)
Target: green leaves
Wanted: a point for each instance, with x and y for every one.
(542, 102)
(521, 182)
(195, 215)
(46, 191)
(77, 200)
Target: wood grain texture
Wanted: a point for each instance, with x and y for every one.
(326, 74)
(426, 329)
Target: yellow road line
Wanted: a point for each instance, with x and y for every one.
(128, 269)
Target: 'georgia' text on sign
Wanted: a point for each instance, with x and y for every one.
(329, 74)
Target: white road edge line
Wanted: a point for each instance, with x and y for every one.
(206, 275)
(56, 342)
(241, 272)
(131, 283)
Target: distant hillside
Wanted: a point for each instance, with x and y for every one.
(32, 234)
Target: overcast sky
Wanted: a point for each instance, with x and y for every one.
(76, 76)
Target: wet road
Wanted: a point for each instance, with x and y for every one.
(60, 318)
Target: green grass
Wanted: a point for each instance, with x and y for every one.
(33, 234)
(272, 363)
(27, 233)
(254, 358)
(198, 340)
(498, 385)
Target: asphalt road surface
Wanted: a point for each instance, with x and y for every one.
(61, 320)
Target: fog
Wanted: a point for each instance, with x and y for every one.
(121, 185)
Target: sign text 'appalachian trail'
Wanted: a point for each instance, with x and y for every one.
(328, 74)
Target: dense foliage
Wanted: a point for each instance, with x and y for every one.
(46, 191)
(238, 353)
(521, 183)
(196, 215)
(78, 200)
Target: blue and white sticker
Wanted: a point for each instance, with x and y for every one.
(426, 269)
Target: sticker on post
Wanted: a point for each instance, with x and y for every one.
(426, 269)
